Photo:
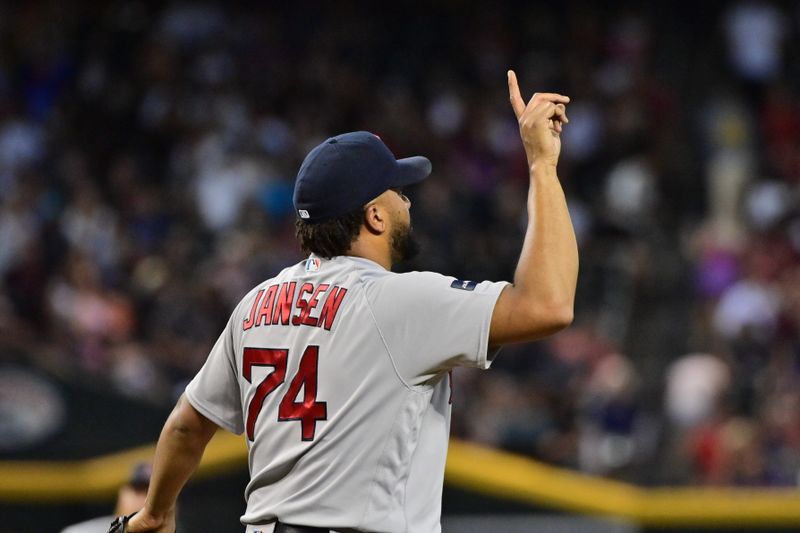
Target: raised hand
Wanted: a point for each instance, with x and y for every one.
(540, 122)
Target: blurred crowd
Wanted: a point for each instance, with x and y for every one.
(147, 159)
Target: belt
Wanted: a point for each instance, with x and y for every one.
(280, 527)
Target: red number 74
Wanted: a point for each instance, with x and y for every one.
(308, 411)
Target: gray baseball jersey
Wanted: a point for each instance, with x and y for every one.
(96, 525)
(337, 372)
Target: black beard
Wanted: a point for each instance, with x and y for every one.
(404, 245)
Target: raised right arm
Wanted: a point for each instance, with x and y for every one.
(541, 299)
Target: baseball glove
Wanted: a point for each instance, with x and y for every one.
(120, 524)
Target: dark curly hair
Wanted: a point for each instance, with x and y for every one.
(330, 237)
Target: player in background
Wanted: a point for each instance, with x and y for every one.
(130, 498)
(336, 370)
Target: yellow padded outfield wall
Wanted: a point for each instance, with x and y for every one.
(469, 467)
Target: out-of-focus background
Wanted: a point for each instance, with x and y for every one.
(147, 158)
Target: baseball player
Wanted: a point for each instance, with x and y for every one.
(336, 370)
(130, 497)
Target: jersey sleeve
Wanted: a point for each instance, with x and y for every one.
(214, 391)
(432, 323)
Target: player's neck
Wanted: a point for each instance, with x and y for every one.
(373, 248)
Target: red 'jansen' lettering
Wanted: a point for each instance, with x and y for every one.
(285, 304)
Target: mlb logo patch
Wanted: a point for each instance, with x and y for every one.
(464, 285)
(313, 264)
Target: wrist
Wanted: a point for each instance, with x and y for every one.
(543, 168)
(152, 516)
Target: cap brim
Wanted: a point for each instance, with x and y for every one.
(412, 170)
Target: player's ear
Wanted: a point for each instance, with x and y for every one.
(375, 219)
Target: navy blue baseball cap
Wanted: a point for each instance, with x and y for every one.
(349, 170)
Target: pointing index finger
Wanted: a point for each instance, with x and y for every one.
(517, 103)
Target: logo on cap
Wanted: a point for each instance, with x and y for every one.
(303, 213)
